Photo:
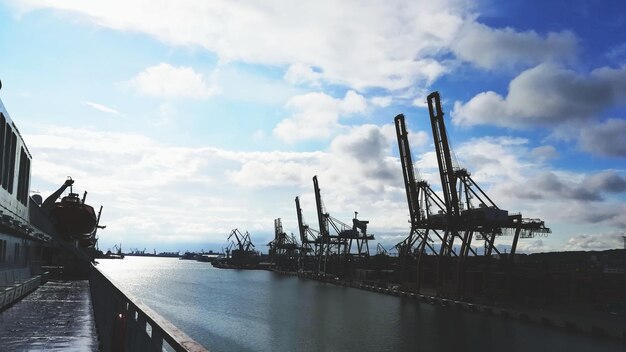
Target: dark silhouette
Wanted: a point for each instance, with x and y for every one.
(49, 202)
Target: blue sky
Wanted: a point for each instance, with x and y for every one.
(188, 119)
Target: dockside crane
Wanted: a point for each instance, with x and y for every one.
(283, 249)
(310, 239)
(422, 201)
(238, 237)
(244, 255)
(380, 250)
(468, 209)
(338, 246)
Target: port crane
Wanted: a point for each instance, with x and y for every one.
(244, 254)
(283, 248)
(243, 242)
(380, 250)
(468, 211)
(426, 208)
(310, 240)
(335, 250)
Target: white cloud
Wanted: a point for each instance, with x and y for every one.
(382, 102)
(595, 242)
(606, 138)
(545, 152)
(357, 44)
(154, 192)
(546, 95)
(316, 115)
(160, 193)
(302, 74)
(339, 40)
(167, 81)
(102, 108)
(496, 48)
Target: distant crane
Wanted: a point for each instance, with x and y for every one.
(310, 240)
(243, 255)
(338, 246)
(283, 249)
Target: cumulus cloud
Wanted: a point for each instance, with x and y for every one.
(367, 147)
(589, 188)
(330, 42)
(382, 102)
(167, 81)
(492, 159)
(552, 96)
(545, 152)
(595, 242)
(545, 95)
(160, 193)
(606, 138)
(316, 115)
(495, 48)
(534, 245)
(302, 74)
(339, 39)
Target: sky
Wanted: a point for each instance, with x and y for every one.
(186, 119)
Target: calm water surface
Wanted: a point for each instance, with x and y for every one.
(254, 310)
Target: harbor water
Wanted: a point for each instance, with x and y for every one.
(256, 310)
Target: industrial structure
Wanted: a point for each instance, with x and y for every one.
(337, 248)
(240, 252)
(284, 250)
(310, 243)
(460, 245)
(336, 254)
(465, 213)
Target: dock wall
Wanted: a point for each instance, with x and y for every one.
(545, 318)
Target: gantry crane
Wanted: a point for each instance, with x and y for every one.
(310, 239)
(283, 249)
(243, 255)
(468, 209)
(336, 254)
(426, 209)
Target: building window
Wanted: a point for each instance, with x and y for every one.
(3, 250)
(17, 253)
(12, 162)
(3, 123)
(6, 160)
(22, 180)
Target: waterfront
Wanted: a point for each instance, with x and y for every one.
(253, 310)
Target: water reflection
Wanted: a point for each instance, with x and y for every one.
(240, 310)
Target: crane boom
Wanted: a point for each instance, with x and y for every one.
(444, 160)
(407, 170)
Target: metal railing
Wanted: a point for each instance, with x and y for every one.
(126, 324)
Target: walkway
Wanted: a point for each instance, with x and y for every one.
(57, 316)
